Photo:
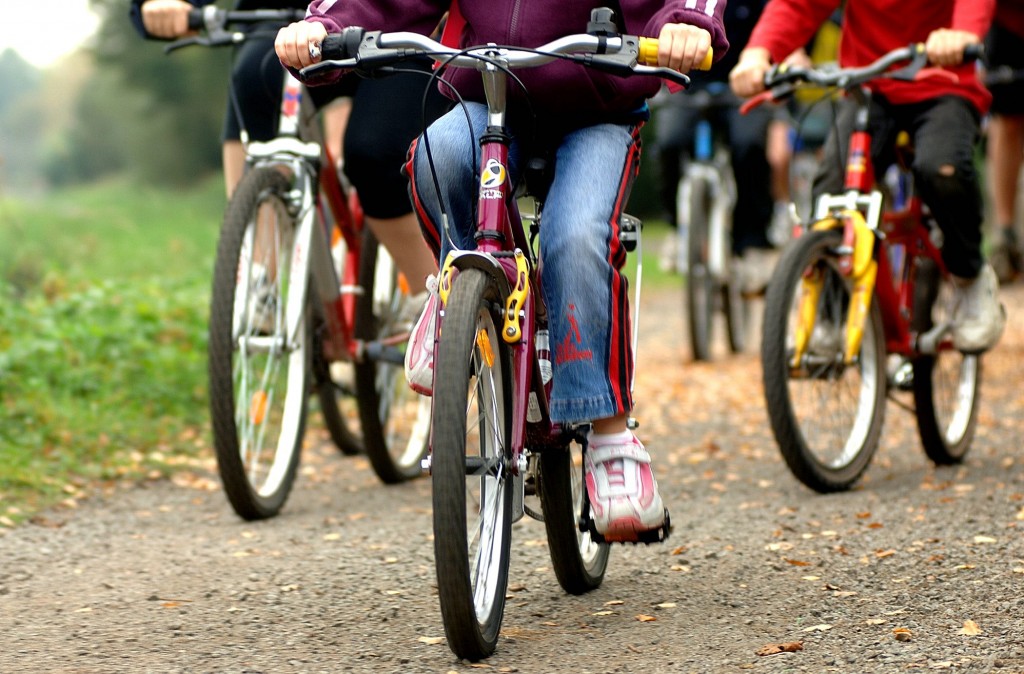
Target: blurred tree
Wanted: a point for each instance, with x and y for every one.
(142, 111)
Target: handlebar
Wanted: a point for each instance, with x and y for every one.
(213, 21)
(782, 81)
(624, 55)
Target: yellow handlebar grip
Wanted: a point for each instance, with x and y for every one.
(648, 54)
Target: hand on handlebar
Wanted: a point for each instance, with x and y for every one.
(294, 43)
(682, 47)
(747, 78)
(167, 19)
(945, 46)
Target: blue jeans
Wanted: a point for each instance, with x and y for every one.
(581, 257)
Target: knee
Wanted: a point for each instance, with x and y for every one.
(945, 178)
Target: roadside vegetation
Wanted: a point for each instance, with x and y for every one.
(103, 301)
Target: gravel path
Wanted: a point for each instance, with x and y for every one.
(918, 569)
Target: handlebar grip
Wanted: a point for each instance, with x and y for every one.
(974, 52)
(343, 45)
(648, 54)
(195, 19)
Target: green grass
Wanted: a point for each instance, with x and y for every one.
(103, 303)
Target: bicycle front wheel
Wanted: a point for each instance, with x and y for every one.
(826, 415)
(259, 374)
(472, 482)
(395, 419)
(700, 285)
(579, 561)
(947, 385)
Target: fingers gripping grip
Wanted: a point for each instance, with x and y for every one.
(648, 54)
(343, 45)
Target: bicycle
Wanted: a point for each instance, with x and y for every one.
(858, 310)
(705, 199)
(299, 287)
(493, 442)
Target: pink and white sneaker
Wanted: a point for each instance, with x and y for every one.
(624, 496)
(419, 354)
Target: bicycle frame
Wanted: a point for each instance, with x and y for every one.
(869, 230)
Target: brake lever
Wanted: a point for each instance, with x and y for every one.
(911, 71)
(216, 40)
(339, 64)
(665, 73)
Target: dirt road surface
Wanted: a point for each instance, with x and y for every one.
(917, 569)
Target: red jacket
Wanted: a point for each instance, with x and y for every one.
(1010, 15)
(560, 88)
(873, 27)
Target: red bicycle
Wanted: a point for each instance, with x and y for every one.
(303, 300)
(493, 442)
(859, 308)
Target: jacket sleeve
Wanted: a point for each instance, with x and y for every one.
(787, 25)
(974, 16)
(418, 16)
(135, 13)
(706, 14)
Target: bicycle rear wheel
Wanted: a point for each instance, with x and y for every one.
(826, 416)
(335, 381)
(395, 419)
(472, 484)
(700, 286)
(579, 562)
(947, 385)
(259, 375)
(737, 313)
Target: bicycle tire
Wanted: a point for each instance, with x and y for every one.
(248, 424)
(395, 420)
(700, 286)
(578, 561)
(471, 421)
(806, 427)
(946, 385)
(737, 309)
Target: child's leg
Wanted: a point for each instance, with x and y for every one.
(588, 310)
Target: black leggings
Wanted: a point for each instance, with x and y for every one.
(386, 117)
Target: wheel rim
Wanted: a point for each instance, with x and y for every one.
(269, 368)
(954, 386)
(833, 403)
(590, 550)
(486, 495)
(404, 414)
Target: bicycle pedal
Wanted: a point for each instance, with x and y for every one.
(646, 537)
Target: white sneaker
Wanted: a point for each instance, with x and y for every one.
(419, 354)
(624, 496)
(978, 317)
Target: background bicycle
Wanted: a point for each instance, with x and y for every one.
(859, 310)
(299, 287)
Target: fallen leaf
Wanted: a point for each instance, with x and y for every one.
(682, 548)
(902, 634)
(431, 640)
(646, 618)
(795, 562)
(549, 623)
(945, 664)
(332, 537)
(817, 628)
(666, 604)
(614, 602)
(985, 539)
(970, 629)
(874, 621)
(604, 613)
(787, 647)
(882, 554)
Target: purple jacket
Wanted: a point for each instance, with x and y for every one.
(560, 88)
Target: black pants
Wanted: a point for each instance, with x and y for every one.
(944, 132)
